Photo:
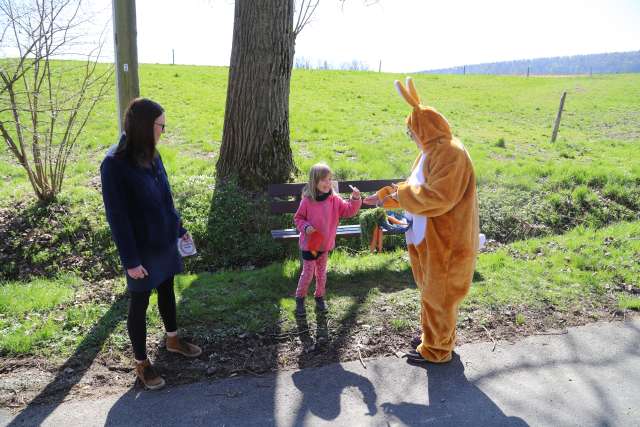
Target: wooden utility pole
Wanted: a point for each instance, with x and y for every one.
(380, 66)
(556, 125)
(527, 72)
(126, 53)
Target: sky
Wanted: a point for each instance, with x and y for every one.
(404, 35)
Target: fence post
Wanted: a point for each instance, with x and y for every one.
(556, 125)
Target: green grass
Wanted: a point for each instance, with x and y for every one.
(629, 303)
(38, 295)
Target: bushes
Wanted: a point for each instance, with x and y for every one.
(508, 214)
(45, 239)
(238, 230)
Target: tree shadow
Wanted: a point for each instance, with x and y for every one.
(453, 400)
(80, 361)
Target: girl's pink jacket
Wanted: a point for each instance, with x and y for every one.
(324, 217)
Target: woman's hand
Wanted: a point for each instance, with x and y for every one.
(138, 272)
(186, 236)
(309, 229)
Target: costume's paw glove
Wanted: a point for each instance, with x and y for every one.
(384, 195)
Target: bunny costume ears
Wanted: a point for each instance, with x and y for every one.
(425, 122)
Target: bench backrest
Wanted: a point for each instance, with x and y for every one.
(285, 198)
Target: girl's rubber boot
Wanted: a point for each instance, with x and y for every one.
(300, 310)
(321, 306)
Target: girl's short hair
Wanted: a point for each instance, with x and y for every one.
(138, 144)
(317, 172)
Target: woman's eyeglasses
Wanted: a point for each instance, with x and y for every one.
(161, 125)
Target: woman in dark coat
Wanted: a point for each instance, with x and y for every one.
(145, 227)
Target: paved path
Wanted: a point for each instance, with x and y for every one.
(589, 376)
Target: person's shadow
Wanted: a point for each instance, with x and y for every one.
(453, 400)
(322, 389)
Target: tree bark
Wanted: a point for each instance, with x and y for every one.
(255, 142)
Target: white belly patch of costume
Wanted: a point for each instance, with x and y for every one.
(417, 232)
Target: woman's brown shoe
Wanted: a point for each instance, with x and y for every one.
(148, 375)
(176, 344)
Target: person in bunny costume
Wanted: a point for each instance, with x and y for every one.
(440, 197)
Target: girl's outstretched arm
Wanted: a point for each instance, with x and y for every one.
(349, 207)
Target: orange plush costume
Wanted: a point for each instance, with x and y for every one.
(443, 242)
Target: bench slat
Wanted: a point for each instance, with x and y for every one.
(292, 207)
(285, 189)
(292, 233)
(284, 207)
(295, 189)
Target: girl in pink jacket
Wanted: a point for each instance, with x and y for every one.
(317, 221)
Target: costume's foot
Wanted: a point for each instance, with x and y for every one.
(176, 344)
(148, 376)
(414, 357)
(321, 306)
(300, 310)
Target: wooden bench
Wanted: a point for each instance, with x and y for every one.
(285, 198)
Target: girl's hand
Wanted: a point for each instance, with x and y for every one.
(138, 272)
(371, 200)
(186, 236)
(309, 229)
(355, 193)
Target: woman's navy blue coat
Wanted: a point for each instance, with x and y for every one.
(144, 223)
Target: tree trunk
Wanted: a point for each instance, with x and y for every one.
(255, 142)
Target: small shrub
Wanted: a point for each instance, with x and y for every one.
(238, 230)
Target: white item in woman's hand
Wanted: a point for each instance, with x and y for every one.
(186, 247)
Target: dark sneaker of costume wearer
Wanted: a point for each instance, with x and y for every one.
(147, 374)
(416, 341)
(175, 344)
(415, 358)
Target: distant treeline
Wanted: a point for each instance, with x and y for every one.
(618, 62)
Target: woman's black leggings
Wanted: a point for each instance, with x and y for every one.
(137, 319)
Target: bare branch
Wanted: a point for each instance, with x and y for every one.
(305, 12)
